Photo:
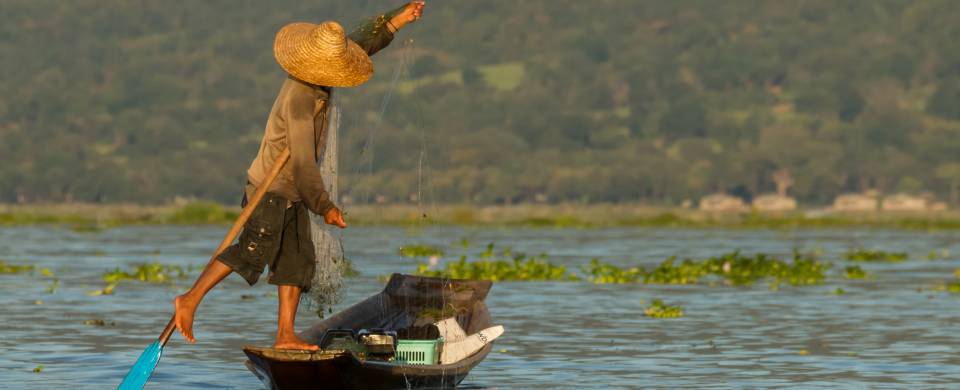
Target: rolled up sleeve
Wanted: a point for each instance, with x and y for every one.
(373, 34)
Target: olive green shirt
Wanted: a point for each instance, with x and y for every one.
(299, 119)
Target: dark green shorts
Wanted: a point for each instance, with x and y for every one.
(276, 236)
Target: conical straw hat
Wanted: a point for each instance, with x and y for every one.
(321, 54)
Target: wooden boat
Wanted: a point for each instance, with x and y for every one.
(405, 300)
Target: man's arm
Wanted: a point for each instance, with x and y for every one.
(376, 33)
(306, 176)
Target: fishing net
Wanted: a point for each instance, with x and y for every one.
(330, 263)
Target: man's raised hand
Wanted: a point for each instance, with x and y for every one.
(411, 12)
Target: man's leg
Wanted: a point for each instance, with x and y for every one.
(286, 316)
(185, 306)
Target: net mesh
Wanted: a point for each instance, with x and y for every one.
(325, 289)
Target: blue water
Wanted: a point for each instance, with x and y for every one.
(893, 330)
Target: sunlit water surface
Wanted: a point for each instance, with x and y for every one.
(893, 330)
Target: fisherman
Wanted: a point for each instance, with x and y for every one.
(317, 57)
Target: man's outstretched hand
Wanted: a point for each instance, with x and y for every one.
(411, 12)
(335, 218)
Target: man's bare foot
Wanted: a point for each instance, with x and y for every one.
(291, 341)
(184, 307)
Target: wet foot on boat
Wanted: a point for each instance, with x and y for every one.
(293, 342)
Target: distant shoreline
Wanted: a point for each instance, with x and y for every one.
(97, 216)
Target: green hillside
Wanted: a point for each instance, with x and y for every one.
(494, 101)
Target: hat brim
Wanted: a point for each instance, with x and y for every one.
(321, 55)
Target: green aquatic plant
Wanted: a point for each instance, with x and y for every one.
(107, 290)
(149, 273)
(99, 322)
(658, 309)
(950, 287)
(54, 286)
(738, 270)
(602, 273)
(349, 270)
(498, 270)
(732, 268)
(855, 272)
(864, 255)
(507, 266)
(420, 250)
(9, 268)
(146, 273)
(669, 272)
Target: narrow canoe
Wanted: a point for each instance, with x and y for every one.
(405, 299)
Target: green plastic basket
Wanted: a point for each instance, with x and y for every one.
(418, 351)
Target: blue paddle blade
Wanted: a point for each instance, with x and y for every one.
(140, 372)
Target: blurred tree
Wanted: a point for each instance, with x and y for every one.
(945, 102)
(950, 173)
(685, 118)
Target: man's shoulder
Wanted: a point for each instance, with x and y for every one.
(297, 87)
(296, 94)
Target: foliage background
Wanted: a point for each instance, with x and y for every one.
(496, 101)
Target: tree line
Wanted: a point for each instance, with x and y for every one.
(493, 102)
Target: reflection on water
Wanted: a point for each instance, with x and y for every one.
(882, 332)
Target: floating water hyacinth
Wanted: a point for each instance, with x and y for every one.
(937, 255)
(504, 267)
(660, 310)
(108, 290)
(952, 287)
(349, 270)
(419, 250)
(149, 273)
(602, 273)
(99, 322)
(8, 268)
(533, 268)
(855, 272)
(875, 256)
(54, 286)
(732, 268)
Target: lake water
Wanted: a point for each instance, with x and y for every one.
(892, 330)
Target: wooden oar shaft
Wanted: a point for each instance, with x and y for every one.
(238, 224)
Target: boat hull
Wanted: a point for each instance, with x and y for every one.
(396, 307)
